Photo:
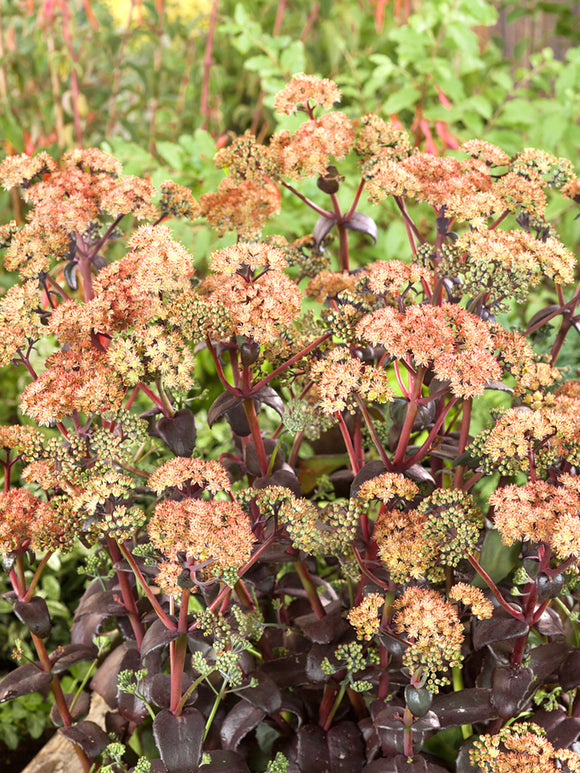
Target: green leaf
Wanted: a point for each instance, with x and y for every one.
(171, 153)
(404, 99)
(292, 59)
(497, 559)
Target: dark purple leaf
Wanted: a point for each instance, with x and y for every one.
(35, 616)
(545, 660)
(70, 275)
(158, 689)
(289, 671)
(362, 224)
(314, 660)
(381, 766)
(251, 457)
(179, 739)
(104, 681)
(463, 765)
(116, 724)
(510, 690)
(418, 699)
(249, 353)
(464, 707)
(64, 657)
(418, 473)
(23, 681)
(326, 630)
(550, 623)
(79, 710)
(105, 603)
(570, 671)
(266, 695)
(88, 736)
(241, 720)
(390, 717)
(285, 477)
(346, 748)
(221, 405)
(270, 397)
(156, 636)
(312, 750)
(329, 182)
(429, 721)
(129, 706)
(368, 472)
(178, 432)
(323, 227)
(562, 731)
(224, 762)
(500, 627)
(549, 588)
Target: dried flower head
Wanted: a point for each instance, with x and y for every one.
(328, 284)
(183, 471)
(306, 91)
(434, 631)
(364, 617)
(128, 194)
(388, 278)
(521, 747)
(34, 249)
(473, 597)
(540, 512)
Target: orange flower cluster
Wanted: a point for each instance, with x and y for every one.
(386, 278)
(182, 470)
(75, 380)
(521, 747)
(473, 597)
(434, 632)
(328, 284)
(241, 206)
(437, 533)
(456, 344)
(386, 487)
(306, 91)
(540, 512)
(177, 201)
(520, 360)
(20, 325)
(381, 139)
(520, 431)
(215, 532)
(516, 253)
(23, 519)
(338, 377)
(259, 307)
(245, 159)
(310, 149)
(363, 617)
(488, 153)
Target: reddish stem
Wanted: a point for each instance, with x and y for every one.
(207, 63)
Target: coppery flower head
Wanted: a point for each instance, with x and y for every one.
(306, 91)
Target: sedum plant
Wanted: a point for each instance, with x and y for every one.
(373, 568)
